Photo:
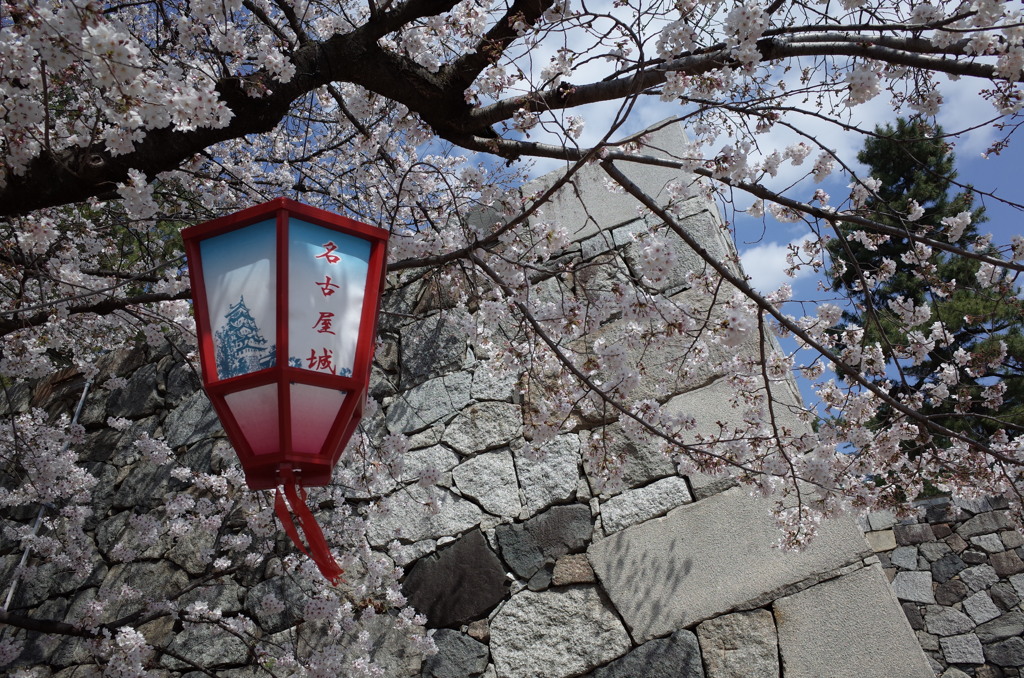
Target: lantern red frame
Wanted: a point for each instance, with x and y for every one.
(262, 471)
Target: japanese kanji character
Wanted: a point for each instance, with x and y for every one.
(324, 322)
(328, 248)
(322, 361)
(327, 287)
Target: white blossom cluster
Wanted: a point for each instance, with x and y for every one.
(87, 86)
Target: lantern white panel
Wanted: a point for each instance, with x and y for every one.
(326, 285)
(255, 410)
(241, 291)
(314, 410)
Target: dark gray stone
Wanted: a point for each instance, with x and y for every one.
(913, 534)
(913, 616)
(182, 381)
(458, 584)
(285, 590)
(528, 546)
(1009, 652)
(946, 567)
(984, 523)
(191, 421)
(432, 346)
(458, 656)
(145, 487)
(1007, 563)
(934, 550)
(1004, 596)
(140, 396)
(677, 656)
(1009, 625)
(973, 557)
(159, 580)
(542, 579)
(205, 645)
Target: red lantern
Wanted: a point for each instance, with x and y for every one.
(286, 302)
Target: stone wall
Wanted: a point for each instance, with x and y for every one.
(959, 575)
(524, 561)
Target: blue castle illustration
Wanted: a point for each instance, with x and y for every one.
(241, 347)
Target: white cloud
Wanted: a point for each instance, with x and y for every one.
(766, 264)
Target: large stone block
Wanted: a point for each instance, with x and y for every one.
(740, 645)
(851, 626)
(460, 583)
(707, 558)
(190, 422)
(458, 656)
(635, 506)
(406, 515)
(490, 479)
(555, 634)
(433, 400)
(433, 346)
(484, 426)
(560, 530)
(677, 656)
(553, 477)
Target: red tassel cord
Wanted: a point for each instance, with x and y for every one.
(317, 549)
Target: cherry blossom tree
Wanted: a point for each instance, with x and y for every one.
(121, 122)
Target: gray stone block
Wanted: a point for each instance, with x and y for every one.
(555, 634)
(492, 381)
(140, 396)
(205, 645)
(934, 551)
(1009, 625)
(965, 649)
(635, 506)
(913, 534)
(458, 656)
(458, 584)
(191, 421)
(979, 577)
(1004, 596)
(286, 590)
(740, 645)
(1009, 652)
(946, 567)
(585, 207)
(851, 627)
(904, 557)
(490, 479)
(881, 520)
(560, 530)
(677, 656)
(989, 543)
(981, 608)
(431, 401)
(484, 426)
(432, 346)
(946, 621)
(984, 523)
(552, 478)
(405, 516)
(913, 586)
(707, 558)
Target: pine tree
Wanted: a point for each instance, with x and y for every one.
(913, 163)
